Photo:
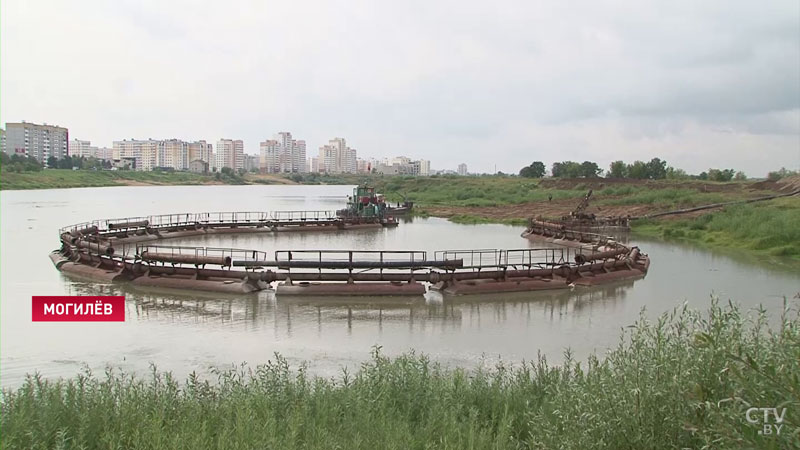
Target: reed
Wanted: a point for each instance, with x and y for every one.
(684, 380)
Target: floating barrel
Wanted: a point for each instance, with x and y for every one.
(186, 259)
(634, 255)
(94, 247)
(582, 258)
(130, 224)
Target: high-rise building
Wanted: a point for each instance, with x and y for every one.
(39, 141)
(402, 165)
(2, 140)
(143, 153)
(282, 154)
(401, 160)
(173, 154)
(85, 149)
(200, 151)
(270, 156)
(230, 153)
(462, 169)
(104, 153)
(77, 147)
(337, 157)
(251, 163)
(424, 167)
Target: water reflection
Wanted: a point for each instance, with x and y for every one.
(265, 309)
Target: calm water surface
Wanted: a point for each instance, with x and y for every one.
(189, 332)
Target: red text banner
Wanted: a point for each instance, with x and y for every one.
(83, 308)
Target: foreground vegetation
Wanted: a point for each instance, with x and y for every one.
(683, 381)
(769, 228)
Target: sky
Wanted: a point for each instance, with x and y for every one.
(496, 85)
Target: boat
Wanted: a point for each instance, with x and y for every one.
(366, 204)
(401, 208)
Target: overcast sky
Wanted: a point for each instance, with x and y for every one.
(698, 83)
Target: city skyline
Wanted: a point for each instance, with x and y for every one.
(711, 85)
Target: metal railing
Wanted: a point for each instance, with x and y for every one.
(352, 259)
(523, 258)
(196, 255)
(187, 219)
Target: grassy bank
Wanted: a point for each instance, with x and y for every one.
(470, 191)
(63, 178)
(683, 381)
(769, 228)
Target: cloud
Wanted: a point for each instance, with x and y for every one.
(482, 83)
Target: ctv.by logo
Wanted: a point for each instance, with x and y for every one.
(772, 423)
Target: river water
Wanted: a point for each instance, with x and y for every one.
(184, 332)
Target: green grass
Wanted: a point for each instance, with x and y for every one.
(63, 178)
(469, 219)
(469, 191)
(766, 228)
(669, 197)
(682, 381)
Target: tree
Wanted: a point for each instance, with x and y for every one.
(65, 163)
(638, 170)
(740, 176)
(535, 170)
(52, 162)
(676, 174)
(720, 175)
(618, 169)
(590, 169)
(782, 173)
(656, 169)
(567, 169)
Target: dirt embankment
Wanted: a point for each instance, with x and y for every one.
(701, 186)
(562, 207)
(552, 209)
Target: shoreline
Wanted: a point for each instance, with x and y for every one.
(764, 230)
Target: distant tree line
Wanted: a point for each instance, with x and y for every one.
(19, 163)
(78, 162)
(655, 169)
(563, 169)
(782, 173)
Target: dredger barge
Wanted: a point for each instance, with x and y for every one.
(123, 250)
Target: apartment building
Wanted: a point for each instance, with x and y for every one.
(462, 169)
(337, 157)
(200, 151)
(143, 153)
(38, 141)
(229, 153)
(402, 165)
(85, 149)
(77, 147)
(283, 154)
(424, 167)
